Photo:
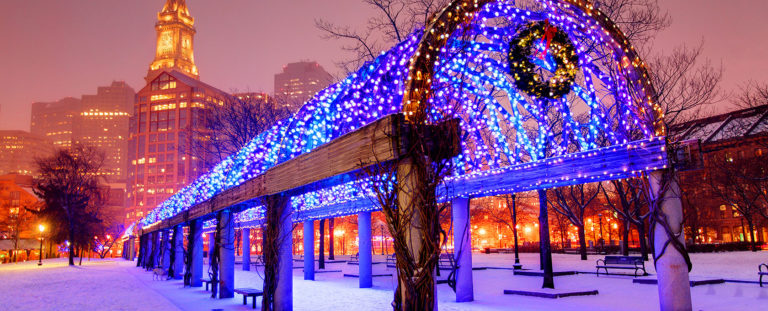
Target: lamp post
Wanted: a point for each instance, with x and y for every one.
(517, 265)
(41, 228)
(602, 240)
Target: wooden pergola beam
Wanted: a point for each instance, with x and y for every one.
(375, 142)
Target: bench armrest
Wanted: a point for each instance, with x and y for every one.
(597, 262)
(760, 267)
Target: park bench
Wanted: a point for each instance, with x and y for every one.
(249, 292)
(762, 273)
(354, 260)
(391, 261)
(206, 282)
(635, 263)
(446, 262)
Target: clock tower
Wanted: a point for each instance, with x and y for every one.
(175, 40)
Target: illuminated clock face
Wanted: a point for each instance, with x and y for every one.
(166, 42)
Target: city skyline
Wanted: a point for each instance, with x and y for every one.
(112, 42)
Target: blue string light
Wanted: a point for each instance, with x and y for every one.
(502, 126)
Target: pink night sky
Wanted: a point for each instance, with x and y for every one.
(52, 49)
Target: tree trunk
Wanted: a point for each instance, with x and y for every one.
(71, 246)
(582, 242)
(81, 255)
(321, 264)
(752, 234)
(625, 238)
(643, 241)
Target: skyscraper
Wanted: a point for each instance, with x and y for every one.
(20, 149)
(55, 120)
(168, 116)
(299, 82)
(103, 123)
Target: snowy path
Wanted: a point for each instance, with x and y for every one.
(96, 285)
(119, 285)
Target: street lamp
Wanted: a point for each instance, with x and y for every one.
(602, 240)
(517, 265)
(41, 228)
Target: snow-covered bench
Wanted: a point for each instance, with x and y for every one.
(206, 282)
(249, 292)
(354, 260)
(621, 262)
(761, 272)
(391, 261)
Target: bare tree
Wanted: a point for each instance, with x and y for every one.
(624, 197)
(752, 94)
(695, 216)
(71, 187)
(230, 126)
(393, 22)
(573, 202)
(731, 179)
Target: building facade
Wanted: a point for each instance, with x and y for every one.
(738, 136)
(55, 120)
(168, 117)
(18, 226)
(299, 82)
(103, 123)
(19, 149)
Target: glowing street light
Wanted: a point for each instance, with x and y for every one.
(41, 228)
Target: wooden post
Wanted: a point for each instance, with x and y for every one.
(671, 267)
(245, 236)
(178, 249)
(284, 290)
(227, 256)
(365, 251)
(408, 197)
(196, 269)
(309, 250)
(462, 249)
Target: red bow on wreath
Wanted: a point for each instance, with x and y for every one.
(546, 39)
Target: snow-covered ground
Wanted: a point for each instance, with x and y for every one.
(119, 285)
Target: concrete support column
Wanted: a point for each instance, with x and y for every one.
(166, 250)
(196, 231)
(227, 256)
(284, 291)
(211, 245)
(674, 284)
(309, 250)
(365, 251)
(131, 246)
(245, 234)
(142, 251)
(462, 250)
(178, 250)
(148, 263)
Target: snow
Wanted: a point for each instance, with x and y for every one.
(118, 285)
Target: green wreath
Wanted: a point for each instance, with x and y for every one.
(523, 70)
